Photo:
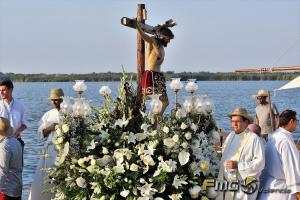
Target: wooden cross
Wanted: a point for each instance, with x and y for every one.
(141, 17)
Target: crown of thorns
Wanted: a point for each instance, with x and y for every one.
(159, 28)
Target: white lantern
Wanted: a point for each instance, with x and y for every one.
(66, 105)
(105, 90)
(191, 86)
(208, 104)
(79, 86)
(188, 104)
(194, 191)
(78, 107)
(200, 105)
(156, 104)
(176, 84)
(86, 108)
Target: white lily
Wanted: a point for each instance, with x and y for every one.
(179, 181)
(92, 145)
(132, 138)
(81, 182)
(177, 196)
(121, 123)
(147, 190)
(145, 127)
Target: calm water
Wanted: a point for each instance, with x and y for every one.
(226, 95)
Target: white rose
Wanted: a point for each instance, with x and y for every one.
(166, 129)
(60, 140)
(104, 150)
(194, 127)
(81, 182)
(93, 162)
(124, 193)
(204, 166)
(185, 145)
(175, 138)
(65, 128)
(180, 113)
(80, 162)
(183, 126)
(153, 133)
(169, 142)
(102, 198)
(148, 160)
(134, 167)
(188, 136)
(119, 169)
(58, 132)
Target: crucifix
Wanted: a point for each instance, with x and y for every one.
(150, 81)
(141, 17)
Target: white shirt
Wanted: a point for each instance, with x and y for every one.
(282, 166)
(14, 112)
(251, 162)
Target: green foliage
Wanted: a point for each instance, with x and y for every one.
(112, 76)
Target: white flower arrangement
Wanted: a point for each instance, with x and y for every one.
(113, 154)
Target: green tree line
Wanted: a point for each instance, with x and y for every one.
(113, 76)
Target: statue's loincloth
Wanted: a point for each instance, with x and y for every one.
(156, 80)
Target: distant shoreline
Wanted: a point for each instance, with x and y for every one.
(113, 76)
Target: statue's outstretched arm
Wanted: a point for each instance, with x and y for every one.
(145, 37)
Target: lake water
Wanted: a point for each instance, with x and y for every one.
(226, 95)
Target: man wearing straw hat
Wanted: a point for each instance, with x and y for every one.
(10, 163)
(47, 130)
(243, 158)
(266, 113)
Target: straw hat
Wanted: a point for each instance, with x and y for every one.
(5, 128)
(261, 93)
(241, 112)
(56, 93)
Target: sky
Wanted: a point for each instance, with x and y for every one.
(84, 36)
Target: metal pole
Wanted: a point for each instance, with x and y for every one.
(271, 112)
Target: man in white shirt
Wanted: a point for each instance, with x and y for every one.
(243, 158)
(12, 110)
(281, 177)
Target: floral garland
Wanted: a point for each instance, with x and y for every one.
(117, 152)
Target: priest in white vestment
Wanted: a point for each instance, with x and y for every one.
(243, 158)
(281, 177)
(47, 130)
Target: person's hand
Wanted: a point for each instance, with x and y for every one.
(53, 126)
(16, 134)
(230, 164)
(298, 195)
